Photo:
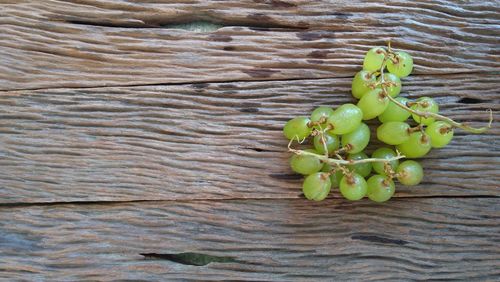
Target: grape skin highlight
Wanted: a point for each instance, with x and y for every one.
(417, 146)
(440, 132)
(393, 132)
(305, 164)
(356, 141)
(410, 173)
(404, 64)
(345, 119)
(316, 186)
(373, 104)
(374, 59)
(353, 187)
(380, 188)
(394, 112)
(361, 82)
(297, 128)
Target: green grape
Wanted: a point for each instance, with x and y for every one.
(332, 143)
(393, 132)
(374, 59)
(297, 128)
(394, 112)
(363, 169)
(353, 187)
(305, 164)
(361, 82)
(334, 177)
(410, 173)
(356, 140)
(384, 153)
(316, 186)
(440, 132)
(425, 104)
(380, 188)
(393, 91)
(404, 64)
(321, 112)
(417, 146)
(373, 104)
(345, 119)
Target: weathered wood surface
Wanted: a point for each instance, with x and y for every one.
(104, 43)
(206, 141)
(269, 240)
(201, 132)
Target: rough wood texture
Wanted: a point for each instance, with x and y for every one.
(201, 129)
(270, 240)
(208, 140)
(103, 43)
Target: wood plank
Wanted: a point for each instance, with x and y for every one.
(210, 141)
(268, 240)
(110, 42)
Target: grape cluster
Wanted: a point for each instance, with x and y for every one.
(339, 136)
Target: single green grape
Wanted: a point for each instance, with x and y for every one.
(374, 59)
(321, 112)
(361, 83)
(394, 112)
(384, 153)
(357, 140)
(417, 146)
(403, 66)
(363, 169)
(410, 173)
(440, 132)
(424, 104)
(305, 164)
(345, 119)
(392, 90)
(393, 132)
(297, 128)
(373, 104)
(353, 187)
(316, 186)
(334, 177)
(380, 188)
(331, 141)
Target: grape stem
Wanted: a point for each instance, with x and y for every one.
(340, 162)
(429, 114)
(446, 119)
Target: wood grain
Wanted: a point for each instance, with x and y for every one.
(106, 100)
(270, 240)
(210, 141)
(114, 43)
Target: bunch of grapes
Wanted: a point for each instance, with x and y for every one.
(339, 137)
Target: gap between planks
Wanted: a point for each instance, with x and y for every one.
(83, 203)
(238, 81)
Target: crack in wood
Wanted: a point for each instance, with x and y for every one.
(379, 239)
(205, 83)
(280, 176)
(467, 100)
(192, 23)
(196, 259)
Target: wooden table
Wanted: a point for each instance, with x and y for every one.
(125, 130)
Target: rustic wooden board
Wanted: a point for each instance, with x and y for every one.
(106, 100)
(103, 43)
(271, 240)
(205, 141)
